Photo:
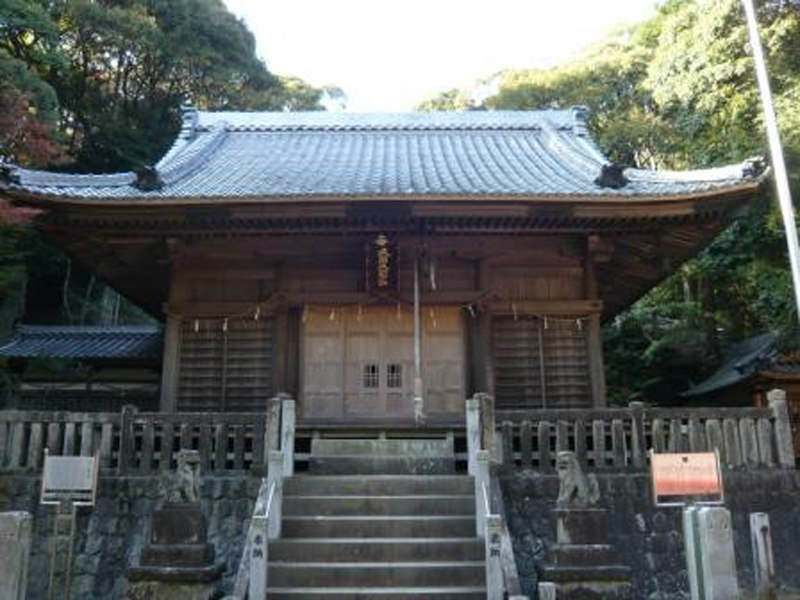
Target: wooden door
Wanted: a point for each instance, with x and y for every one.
(360, 364)
(323, 373)
(443, 353)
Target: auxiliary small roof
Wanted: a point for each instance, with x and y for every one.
(84, 342)
(745, 360)
(252, 157)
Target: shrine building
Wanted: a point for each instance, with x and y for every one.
(381, 268)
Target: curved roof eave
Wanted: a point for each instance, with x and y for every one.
(503, 156)
(42, 200)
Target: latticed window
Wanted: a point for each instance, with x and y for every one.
(394, 375)
(372, 376)
(540, 362)
(225, 366)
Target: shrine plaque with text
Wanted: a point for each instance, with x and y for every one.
(684, 478)
(383, 265)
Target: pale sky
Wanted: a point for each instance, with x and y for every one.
(389, 56)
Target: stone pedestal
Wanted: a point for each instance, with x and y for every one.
(178, 563)
(584, 565)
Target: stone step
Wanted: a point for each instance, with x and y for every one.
(378, 593)
(380, 465)
(378, 485)
(377, 574)
(377, 526)
(398, 448)
(376, 549)
(382, 456)
(380, 505)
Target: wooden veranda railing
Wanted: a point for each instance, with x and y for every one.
(621, 439)
(145, 443)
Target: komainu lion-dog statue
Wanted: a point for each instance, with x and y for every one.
(576, 489)
(183, 485)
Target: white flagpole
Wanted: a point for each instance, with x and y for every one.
(776, 150)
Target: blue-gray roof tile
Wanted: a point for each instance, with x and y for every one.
(524, 154)
(51, 341)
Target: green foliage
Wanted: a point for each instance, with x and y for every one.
(118, 72)
(97, 86)
(679, 92)
(454, 99)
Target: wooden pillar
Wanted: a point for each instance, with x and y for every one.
(483, 371)
(280, 351)
(597, 372)
(419, 401)
(596, 251)
(293, 332)
(169, 364)
(170, 360)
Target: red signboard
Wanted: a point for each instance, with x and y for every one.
(678, 478)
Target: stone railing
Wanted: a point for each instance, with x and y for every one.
(265, 522)
(502, 578)
(621, 439)
(138, 443)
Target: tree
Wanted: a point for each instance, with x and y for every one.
(121, 69)
(678, 91)
(97, 86)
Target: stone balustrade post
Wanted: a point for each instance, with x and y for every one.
(481, 491)
(275, 477)
(486, 408)
(763, 563)
(259, 559)
(547, 590)
(494, 568)
(638, 450)
(783, 428)
(127, 447)
(473, 417)
(273, 432)
(288, 422)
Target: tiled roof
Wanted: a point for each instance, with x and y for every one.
(741, 362)
(37, 341)
(249, 156)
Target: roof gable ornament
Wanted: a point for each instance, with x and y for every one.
(191, 118)
(148, 179)
(754, 166)
(612, 176)
(9, 174)
(580, 120)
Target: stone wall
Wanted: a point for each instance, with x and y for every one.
(111, 535)
(650, 540)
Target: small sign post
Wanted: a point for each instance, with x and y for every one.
(681, 479)
(67, 482)
(693, 481)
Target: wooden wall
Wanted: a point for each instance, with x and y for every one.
(503, 285)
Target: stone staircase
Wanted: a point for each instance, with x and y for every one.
(380, 536)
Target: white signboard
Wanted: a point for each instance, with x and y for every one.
(69, 478)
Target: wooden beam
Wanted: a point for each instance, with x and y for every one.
(548, 307)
